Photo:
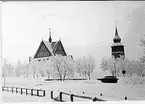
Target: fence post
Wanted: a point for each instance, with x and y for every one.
(125, 98)
(94, 99)
(31, 92)
(26, 91)
(21, 91)
(60, 96)
(3, 88)
(43, 92)
(37, 92)
(51, 94)
(12, 89)
(71, 97)
(16, 89)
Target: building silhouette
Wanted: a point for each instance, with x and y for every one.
(117, 48)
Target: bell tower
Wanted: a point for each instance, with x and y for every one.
(117, 48)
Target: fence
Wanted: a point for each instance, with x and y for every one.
(32, 92)
(71, 96)
(41, 93)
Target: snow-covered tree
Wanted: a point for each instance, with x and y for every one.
(79, 66)
(18, 68)
(142, 44)
(90, 66)
(61, 66)
(7, 68)
(116, 66)
(25, 69)
(140, 68)
(85, 66)
(110, 65)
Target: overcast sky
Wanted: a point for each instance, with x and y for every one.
(85, 28)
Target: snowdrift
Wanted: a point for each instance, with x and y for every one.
(135, 80)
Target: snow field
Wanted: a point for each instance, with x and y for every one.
(91, 88)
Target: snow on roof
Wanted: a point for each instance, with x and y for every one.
(49, 46)
(53, 43)
(117, 44)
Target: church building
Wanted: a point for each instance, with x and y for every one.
(49, 48)
(117, 48)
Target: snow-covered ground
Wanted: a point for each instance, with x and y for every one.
(92, 88)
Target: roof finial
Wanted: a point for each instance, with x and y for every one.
(116, 31)
(116, 38)
(50, 39)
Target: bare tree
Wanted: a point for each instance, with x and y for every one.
(62, 66)
(116, 66)
(142, 44)
(140, 68)
(110, 65)
(7, 68)
(85, 66)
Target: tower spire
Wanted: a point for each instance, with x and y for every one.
(50, 39)
(116, 39)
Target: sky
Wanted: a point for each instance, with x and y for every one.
(85, 28)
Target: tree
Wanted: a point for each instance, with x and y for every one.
(116, 66)
(62, 66)
(85, 66)
(7, 68)
(18, 68)
(140, 68)
(90, 65)
(109, 64)
(142, 44)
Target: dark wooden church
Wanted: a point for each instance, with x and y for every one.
(49, 48)
(117, 48)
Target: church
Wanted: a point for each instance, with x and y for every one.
(49, 48)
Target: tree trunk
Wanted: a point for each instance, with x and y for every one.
(33, 74)
(64, 75)
(89, 76)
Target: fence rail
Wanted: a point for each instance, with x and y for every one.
(71, 96)
(27, 91)
(41, 93)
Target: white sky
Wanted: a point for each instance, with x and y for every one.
(85, 28)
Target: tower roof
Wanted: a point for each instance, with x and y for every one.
(116, 38)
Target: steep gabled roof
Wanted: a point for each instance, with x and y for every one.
(53, 43)
(56, 46)
(48, 45)
(51, 47)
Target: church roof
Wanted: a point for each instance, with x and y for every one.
(52, 47)
(53, 43)
(48, 45)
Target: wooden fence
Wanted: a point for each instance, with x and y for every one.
(26, 91)
(71, 97)
(41, 93)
